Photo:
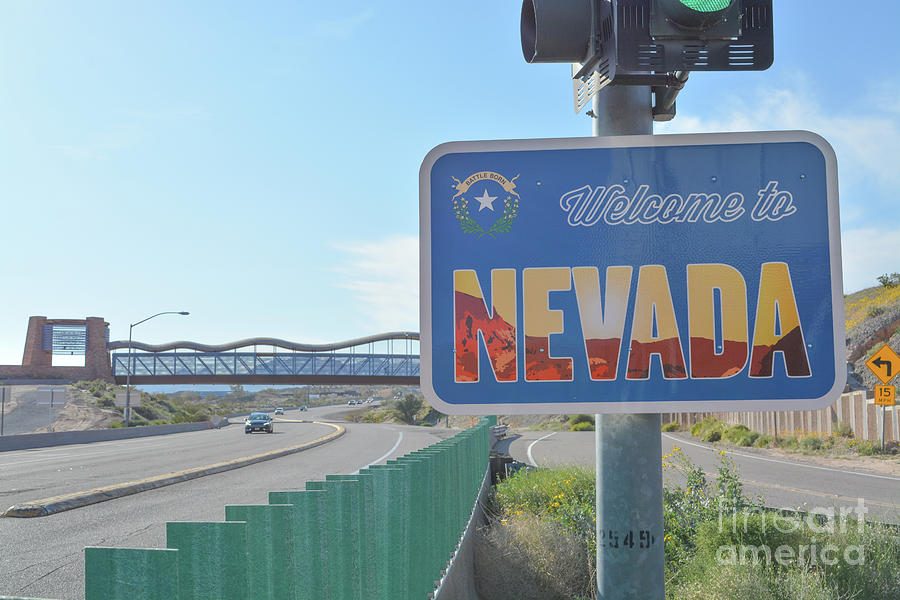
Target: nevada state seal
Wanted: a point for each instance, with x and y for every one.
(488, 183)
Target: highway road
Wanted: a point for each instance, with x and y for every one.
(781, 483)
(44, 557)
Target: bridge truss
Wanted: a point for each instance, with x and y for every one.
(376, 359)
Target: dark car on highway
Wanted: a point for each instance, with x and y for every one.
(259, 421)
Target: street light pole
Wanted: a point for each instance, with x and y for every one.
(130, 367)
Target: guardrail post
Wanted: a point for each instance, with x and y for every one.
(269, 548)
(130, 573)
(356, 487)
(342, 528)
(391, 483)
(402, 496)
(420, 536)
(212, 559)
(312, 547)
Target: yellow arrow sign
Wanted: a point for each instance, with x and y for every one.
(885, 363)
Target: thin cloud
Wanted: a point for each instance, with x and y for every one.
(867, 142)
(103, 145)
(345, 28)
(383, 277)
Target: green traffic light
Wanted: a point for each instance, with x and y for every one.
(706, 6)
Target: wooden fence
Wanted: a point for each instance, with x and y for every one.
(856, 409)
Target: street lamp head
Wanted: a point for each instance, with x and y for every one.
(184, 312)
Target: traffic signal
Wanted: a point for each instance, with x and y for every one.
(647, 42)
(557, 30)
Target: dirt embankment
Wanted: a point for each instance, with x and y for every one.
(76, 415)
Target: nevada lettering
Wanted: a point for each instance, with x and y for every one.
(602, 311)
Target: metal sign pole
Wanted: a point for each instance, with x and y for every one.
(3, 392)
(50, 410)
(630, 551)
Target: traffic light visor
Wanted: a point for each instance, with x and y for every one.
(555, 30)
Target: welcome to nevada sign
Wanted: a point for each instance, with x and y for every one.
(631, 274)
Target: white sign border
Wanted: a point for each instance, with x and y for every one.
(632, 141)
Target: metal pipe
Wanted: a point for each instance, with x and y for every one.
(630, 550)
(129, 369)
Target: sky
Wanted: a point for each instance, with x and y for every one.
(257, 164)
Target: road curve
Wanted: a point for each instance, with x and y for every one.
(781, 483)
(45, 557)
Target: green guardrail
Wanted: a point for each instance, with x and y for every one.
(386, 533)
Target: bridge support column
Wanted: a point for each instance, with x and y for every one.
(96, 357)
(35, 355)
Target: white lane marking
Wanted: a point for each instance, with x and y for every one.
(785, 462)
(531, 445)
(88, 448)
(378, 460)
(73, 453)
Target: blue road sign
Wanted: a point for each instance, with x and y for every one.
(631, 274)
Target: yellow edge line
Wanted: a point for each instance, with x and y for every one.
(55, 504)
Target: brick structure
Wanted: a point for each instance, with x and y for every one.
(37, 362)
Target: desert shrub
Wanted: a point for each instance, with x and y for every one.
(811, 443)
(543, 492)
(746, 438)
(697, 427)
(875, 311)
(709, 429)
(868, 448)
(372, 416)
(740, 435)
(582, 426)
(711, 435)
(116, 424)
(842, 429)
(788, 442)
(889, 281)
(721, 568)
(751, 529)
(672, 426)
(763, 441)
(407, 408)
(147, 411)
(528, 558)
(877, 576)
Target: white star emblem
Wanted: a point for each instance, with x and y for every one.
(485, 201)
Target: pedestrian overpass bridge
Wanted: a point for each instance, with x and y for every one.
(387, 358)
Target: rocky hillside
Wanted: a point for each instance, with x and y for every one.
(873, 319)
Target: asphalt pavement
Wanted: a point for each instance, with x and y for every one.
(781, 483)
(44, 557)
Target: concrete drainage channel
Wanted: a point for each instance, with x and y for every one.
(458, 580)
